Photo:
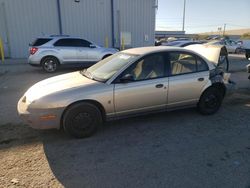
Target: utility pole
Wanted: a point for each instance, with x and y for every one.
(184, 12)
(219, 30)
(224, 30)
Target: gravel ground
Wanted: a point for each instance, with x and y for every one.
(174, 149)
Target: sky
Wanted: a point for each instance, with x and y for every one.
(203, 15)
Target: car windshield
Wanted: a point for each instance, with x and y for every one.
(106, 68)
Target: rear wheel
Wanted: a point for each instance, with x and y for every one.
(50, 64)
(82, 120)
(210, 101)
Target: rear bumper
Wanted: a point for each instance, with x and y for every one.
(33, 60)
(34, 65)
(230, 87)
(229, 84)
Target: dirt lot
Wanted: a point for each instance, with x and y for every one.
(175, 149)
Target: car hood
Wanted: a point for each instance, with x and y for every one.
(211, 52)
(57, 84)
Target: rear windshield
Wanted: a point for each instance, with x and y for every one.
(41, 41)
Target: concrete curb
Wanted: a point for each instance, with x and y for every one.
(13, 62)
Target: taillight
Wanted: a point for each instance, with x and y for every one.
(33, 50)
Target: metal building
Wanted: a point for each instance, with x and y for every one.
(129, 21)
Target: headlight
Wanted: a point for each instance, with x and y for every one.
(28, 100)
(31, 97)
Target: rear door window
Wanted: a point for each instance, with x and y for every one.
(40, 41)
(84, 43)
(183, 63)
(65, 42)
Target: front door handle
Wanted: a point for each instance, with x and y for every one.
(200, 79)
(159, 85)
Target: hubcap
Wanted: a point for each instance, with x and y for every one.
(211, 101)
(50, 66)
(82, 121)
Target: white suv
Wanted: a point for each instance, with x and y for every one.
(50, 52)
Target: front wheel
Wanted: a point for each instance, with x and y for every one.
(50, 64)
(82, 120)
(210, 101)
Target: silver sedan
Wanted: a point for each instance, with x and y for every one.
(128, 83)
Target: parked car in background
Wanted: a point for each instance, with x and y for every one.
(181, 43)
(54, 51)
(232, 46)
(157, 42)
(246, 46)
(128, 83)
(248, 69)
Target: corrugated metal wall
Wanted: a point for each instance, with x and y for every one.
(138, 18)
(28, 19)
(91, 19)
(3, 29)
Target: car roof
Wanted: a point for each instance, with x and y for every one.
(210, 53)
(183, 41)
(151, 49)
(58, 37)
(180, 43)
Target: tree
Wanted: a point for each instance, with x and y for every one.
(201, 37)
(245, 36)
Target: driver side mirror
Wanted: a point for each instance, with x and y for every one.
(127, 78)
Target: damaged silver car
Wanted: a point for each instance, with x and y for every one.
(132, 82)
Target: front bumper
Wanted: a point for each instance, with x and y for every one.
(39, 118)
(34, 60)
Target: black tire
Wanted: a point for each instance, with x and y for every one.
(210, 101)
(82, 120)
(50, 64)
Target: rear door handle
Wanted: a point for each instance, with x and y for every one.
(200, 79)
(159, 85)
